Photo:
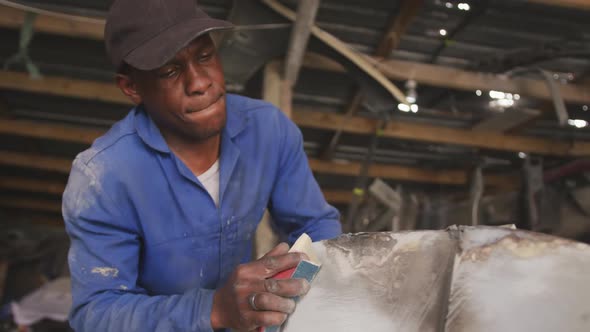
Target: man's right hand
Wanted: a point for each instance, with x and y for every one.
(232, 303)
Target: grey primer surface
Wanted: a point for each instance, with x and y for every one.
(461, 279)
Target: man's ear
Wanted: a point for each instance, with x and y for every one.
(128, 87)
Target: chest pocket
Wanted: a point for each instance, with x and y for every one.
(247, 226)
(240, 228)
(175, 266)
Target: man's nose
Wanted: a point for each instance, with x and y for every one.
(197, 80)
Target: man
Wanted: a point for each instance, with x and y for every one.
(161, 210)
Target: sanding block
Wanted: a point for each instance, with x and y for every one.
(306, 269)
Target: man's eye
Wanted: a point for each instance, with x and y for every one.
(204, 57)
(168, 73)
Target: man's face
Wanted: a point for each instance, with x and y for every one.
(186, 96)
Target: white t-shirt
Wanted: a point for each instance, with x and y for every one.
(210, 180)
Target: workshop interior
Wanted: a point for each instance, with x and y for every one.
(453, 138)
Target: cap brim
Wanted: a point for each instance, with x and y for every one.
(163, 47)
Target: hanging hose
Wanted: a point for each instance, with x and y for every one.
(22, 55)
(558, 103)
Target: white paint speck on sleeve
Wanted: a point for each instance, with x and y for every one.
(106, 271)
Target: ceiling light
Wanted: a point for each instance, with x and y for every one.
(449, 5)
(503, 100)
(521, 155)
(577, 123)
(442, 32)
(464, 6)
(497, 94)
(478, 93)
(505, 103)
(403, 107)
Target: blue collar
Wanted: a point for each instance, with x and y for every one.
(151, 135)
(237, 117)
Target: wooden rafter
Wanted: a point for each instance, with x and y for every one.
(300, 33)
(28, 204)
(3, 275)
(53, 164)
(62, 165)
(303, 117)
(338, 196)
(58, 132)
(62, 86)
(19, 216)
(574, 4)
(506, 121)
(32, 185)
(58, 187)
(396, 27)
(394, 69)
(444, 135)
(343, 49)
(273, 87)
(14, 18)
(404, 173)
(443, 177)
(453, 78)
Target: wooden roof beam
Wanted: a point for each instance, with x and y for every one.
(59, 165)
(393, 172)
(573, 4)
(59, 132)
(303, 117)
(453, 78)
(63, 86)
(353, 57)
(275, 90)
(300, 33)
(32, 185)
(58, 187)
(28, 204)
(441, 135)
(338, 196)
(506, 121)
(65, 25)
(411, 174)
(397, 26)
(394, 69)
(17, 216)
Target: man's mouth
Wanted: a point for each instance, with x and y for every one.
(192, 110)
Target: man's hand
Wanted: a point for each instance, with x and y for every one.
(231, 303)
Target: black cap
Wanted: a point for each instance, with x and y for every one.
(148, 33)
